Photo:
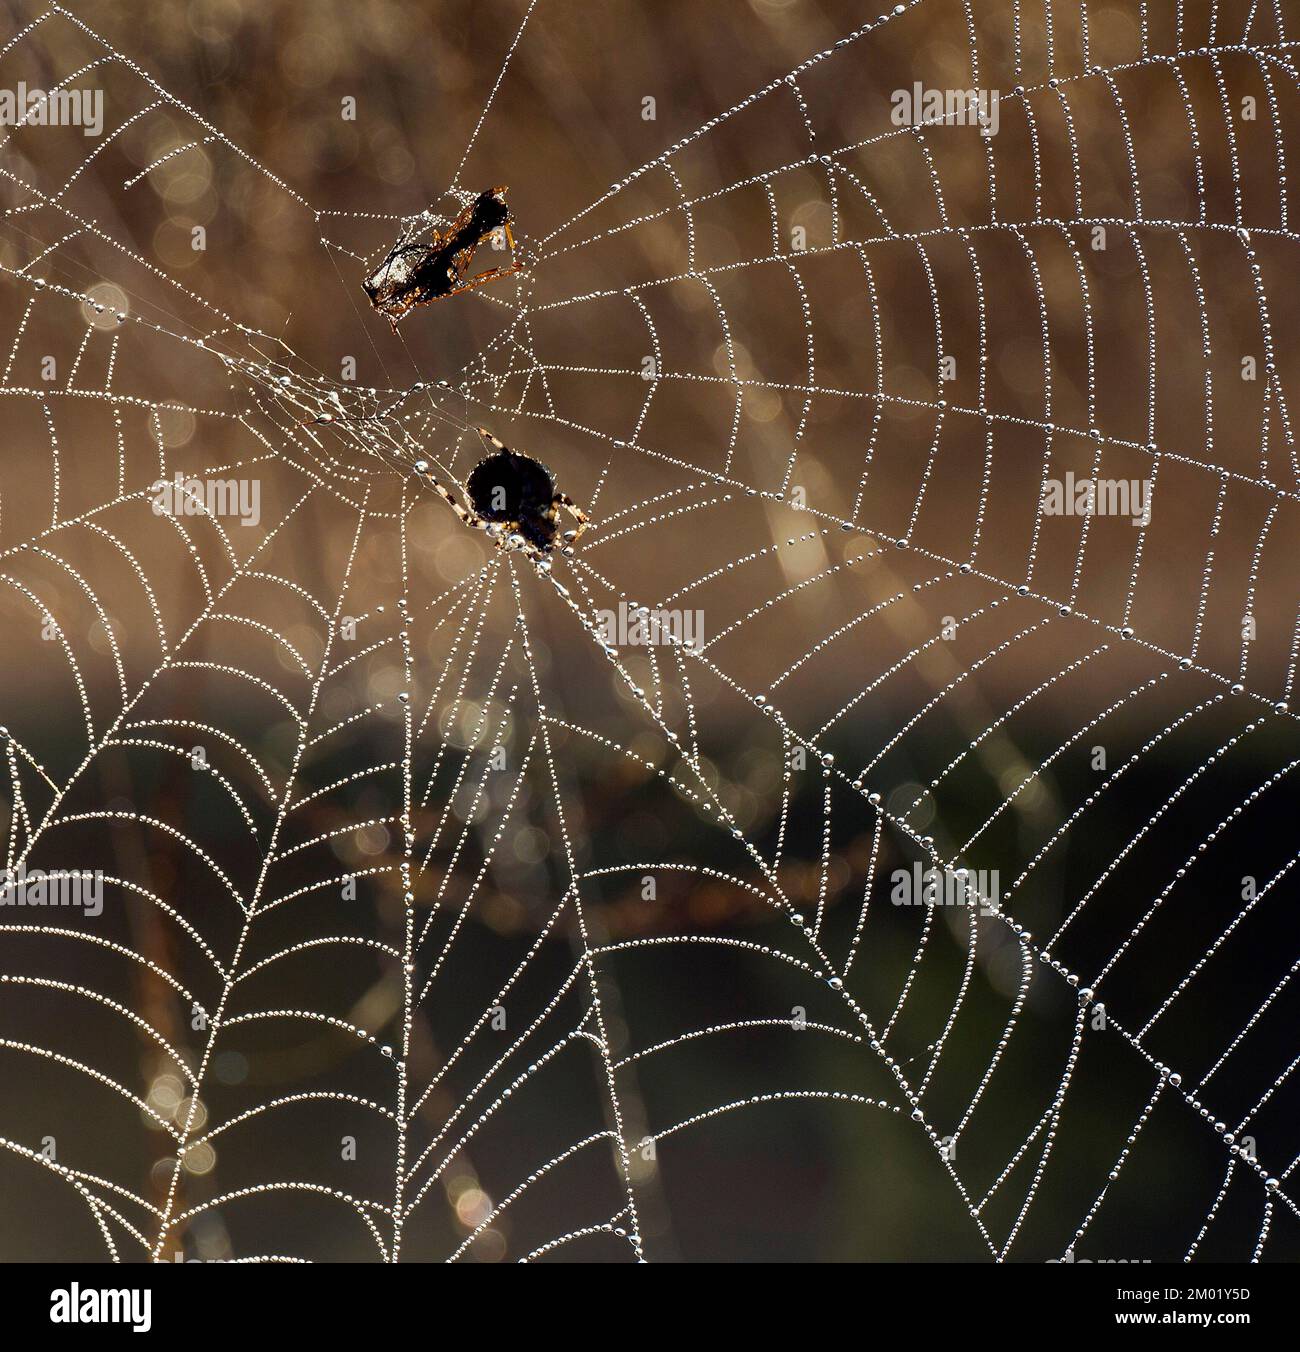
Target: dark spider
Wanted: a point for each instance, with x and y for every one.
(418, 273)
(513, 498)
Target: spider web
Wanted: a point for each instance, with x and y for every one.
(438, 924)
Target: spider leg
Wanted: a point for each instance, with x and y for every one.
(467, 517)
(490, 439)
(576, 512)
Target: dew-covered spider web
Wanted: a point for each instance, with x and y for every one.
(453, 907)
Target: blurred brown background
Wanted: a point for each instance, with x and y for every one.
(814, 369)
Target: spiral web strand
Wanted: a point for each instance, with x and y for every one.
(314, 769)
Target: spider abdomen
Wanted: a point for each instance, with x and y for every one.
(516, 489)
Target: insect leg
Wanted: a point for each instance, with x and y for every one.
(481, 278)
